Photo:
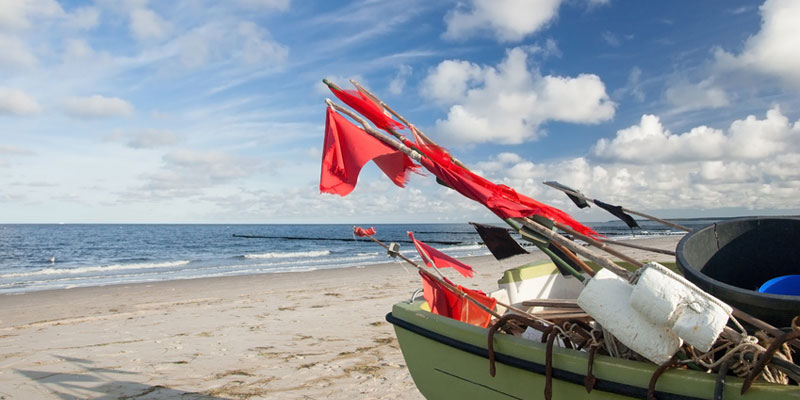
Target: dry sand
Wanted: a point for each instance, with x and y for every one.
(310, 335)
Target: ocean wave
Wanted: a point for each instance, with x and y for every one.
(291, 254)
(98, 268)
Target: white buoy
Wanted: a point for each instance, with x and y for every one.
(606, 298)
(666, 298)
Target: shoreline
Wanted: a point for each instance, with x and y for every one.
(637, 240)
(317, 334)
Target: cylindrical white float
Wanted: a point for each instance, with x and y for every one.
(607, 299)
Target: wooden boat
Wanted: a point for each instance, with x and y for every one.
(448, 359)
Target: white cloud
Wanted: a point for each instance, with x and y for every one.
(506, 20)
(752, 138)
(685, 96)
(146, 24)
(508, 103)
(17, 102)
(279, 5)
(763, 184)
(13, 150)
(610, 39)
(15, 54)
(746, 140)
(97, 106)
(16, 14)
(773, 50)
(188, 172)
(398, 83)
(258, 46)
(83, 18)
(76, 49)
(633, 86)
(145, 138)
(244, 41)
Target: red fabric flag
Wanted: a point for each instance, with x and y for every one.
(366, 107)
(345, 151)
(435, 257)
(444, 302)
(361, 232)
(471, 313)
(500, 199)
(440, 299)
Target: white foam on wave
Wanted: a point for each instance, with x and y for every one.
(461, 248)
(291, 254)
(97, 268)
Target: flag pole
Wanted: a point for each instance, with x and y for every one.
(558, 186)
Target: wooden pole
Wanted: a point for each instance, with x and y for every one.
(636, 246)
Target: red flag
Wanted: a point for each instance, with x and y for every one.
(471, 313)
(366, 107)
(501, 199)
(345, 151)
(396, 166)
(440, 299)
(435, 257)
(444, 302)
(361, 232)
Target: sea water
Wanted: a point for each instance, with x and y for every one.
(42, 256)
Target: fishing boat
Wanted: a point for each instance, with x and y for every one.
(449, 359)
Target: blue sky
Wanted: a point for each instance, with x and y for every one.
(213, 112)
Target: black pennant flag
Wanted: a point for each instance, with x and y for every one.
(579, 201)
(617, 211)
(498, 240)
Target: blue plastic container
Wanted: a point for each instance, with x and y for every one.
(787, 285)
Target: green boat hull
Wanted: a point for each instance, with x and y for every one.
(448, 359)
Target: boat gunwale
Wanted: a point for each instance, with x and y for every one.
(534, 367)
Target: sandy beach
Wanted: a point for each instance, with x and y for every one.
(310, 335)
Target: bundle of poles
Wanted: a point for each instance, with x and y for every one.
(542, 232)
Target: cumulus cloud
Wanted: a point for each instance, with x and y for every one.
(17, 102)
(506, 20)
(773, 50)
(97, 106)
(508, 103)
(745, 140)
(766, 183)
